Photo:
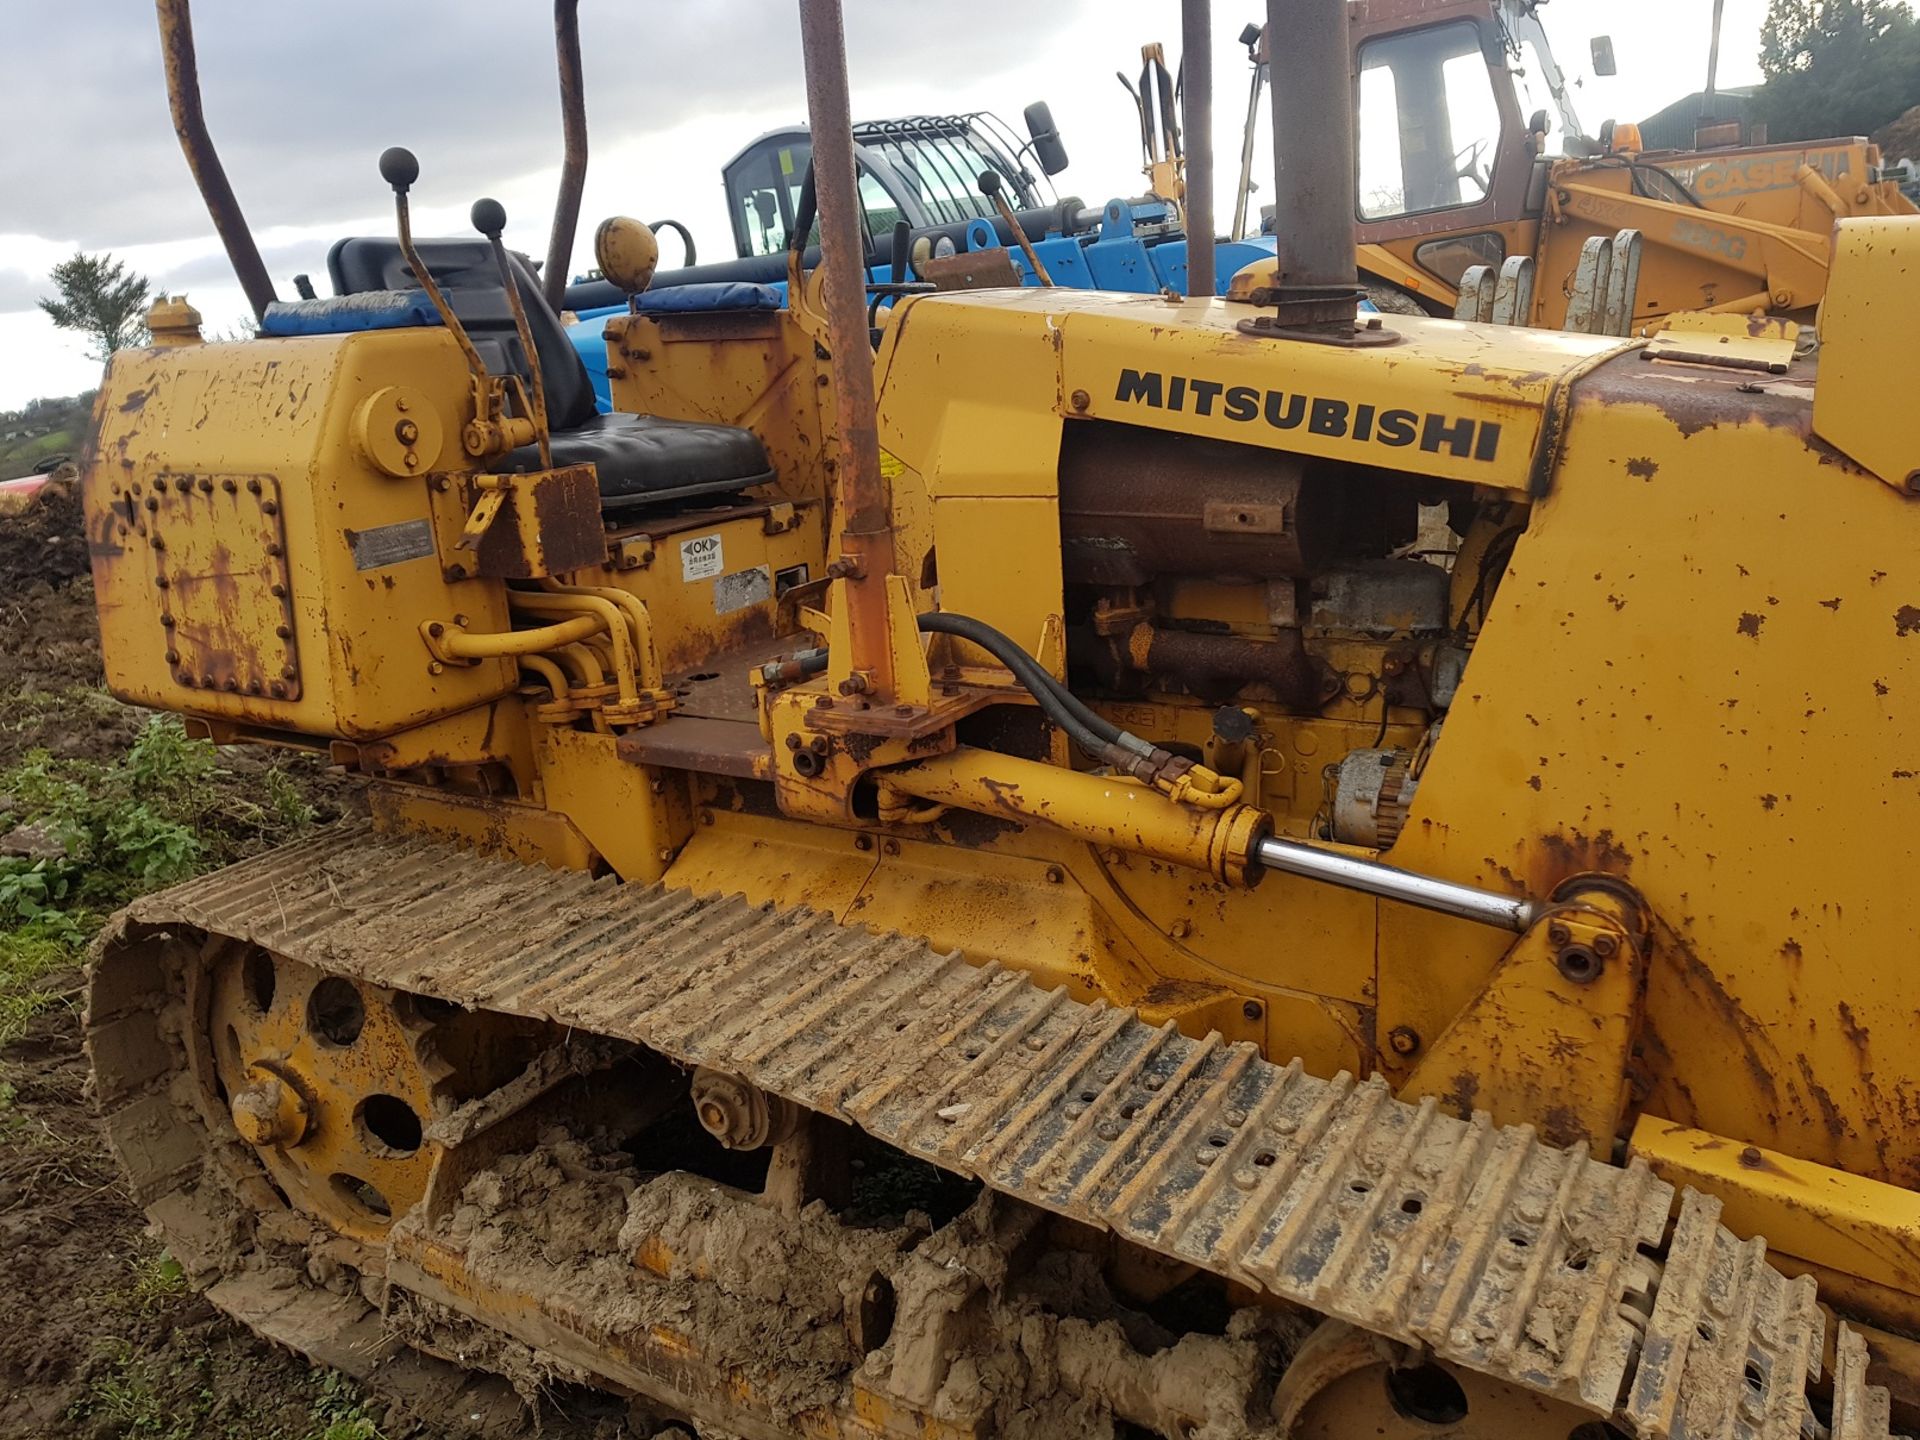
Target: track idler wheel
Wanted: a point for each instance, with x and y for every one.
(1345, 1382)
(332, 1081)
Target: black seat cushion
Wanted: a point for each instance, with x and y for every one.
(643, 459)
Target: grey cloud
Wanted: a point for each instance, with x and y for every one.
(21, 291)
(301, 98)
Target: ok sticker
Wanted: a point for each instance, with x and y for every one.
(701, 558)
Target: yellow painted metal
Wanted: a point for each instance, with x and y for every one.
(491, 824)
(757, 369)
(1691, 260)
(1099, 809)
(1867, 331)
(1760, 343)
(1692, 521)
(1757, 241)
(361, 553)
(1815, 1213)
(1460, 403)
(634, 818)
(1540, 1045)
(301, 1094)
(708, 580)
(1385, 263)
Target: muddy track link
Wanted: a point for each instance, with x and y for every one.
(1495, 1251)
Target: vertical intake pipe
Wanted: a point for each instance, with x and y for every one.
(860, 492)
(1311, 69)
(573, 166)
(190, 124)
(1196, 97)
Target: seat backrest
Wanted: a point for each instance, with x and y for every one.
(464, 269)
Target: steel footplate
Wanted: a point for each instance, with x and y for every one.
(1497, 1252)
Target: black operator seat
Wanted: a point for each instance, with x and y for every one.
(640, 459)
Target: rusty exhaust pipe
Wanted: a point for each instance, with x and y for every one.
(190, 124)
(860, 493)
(573, 168)
(1196, 99)
(1311, 70)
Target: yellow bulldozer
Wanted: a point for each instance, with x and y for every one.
(1105, 865)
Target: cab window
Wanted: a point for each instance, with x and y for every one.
(1429, 124)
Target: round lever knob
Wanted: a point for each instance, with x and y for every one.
(989, 183)
(489, 217)
(398, 167)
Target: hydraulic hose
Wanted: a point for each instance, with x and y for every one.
(1089, 731)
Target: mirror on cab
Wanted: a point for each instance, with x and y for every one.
(1048, 147)
(1603, 63)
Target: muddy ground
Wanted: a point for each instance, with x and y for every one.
(99, 1335)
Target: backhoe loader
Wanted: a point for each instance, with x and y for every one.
(1008, 884)
(1470, 154)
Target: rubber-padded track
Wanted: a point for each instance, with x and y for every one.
(1497, 1252)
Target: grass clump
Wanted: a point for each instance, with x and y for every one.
(108, 830)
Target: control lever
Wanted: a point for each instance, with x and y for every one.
(490, 218)
(991, 188)
(399, 168)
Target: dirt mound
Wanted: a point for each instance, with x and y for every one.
(1900, 139)
(45, 543)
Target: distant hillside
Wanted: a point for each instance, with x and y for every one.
(42, 430)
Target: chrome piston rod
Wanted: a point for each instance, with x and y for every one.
(1389, 882)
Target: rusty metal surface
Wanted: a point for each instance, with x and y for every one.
(702, 744)
(1503, 1255)
(216, 547)
(190, 124)
(1138, 504)
(573, 165)
(989, 269)
(862, 513)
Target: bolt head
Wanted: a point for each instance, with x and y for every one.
(1558, 933)
(270, 1112)
(1403, 1040)
(1080, 400)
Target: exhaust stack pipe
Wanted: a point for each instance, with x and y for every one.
(1196, 96)
(1310, 64)
(861, 508)
(190, 124)
(573, 168)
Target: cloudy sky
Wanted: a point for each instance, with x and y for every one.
(302, 95)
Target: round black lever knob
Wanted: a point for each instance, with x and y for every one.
(489, 217)
(989, 183)
(398, 167)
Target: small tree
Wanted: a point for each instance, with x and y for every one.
(1836, 67)
(101, 299)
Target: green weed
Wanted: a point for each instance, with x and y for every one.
(339, 1411)
(158, 1280)
(29, 954)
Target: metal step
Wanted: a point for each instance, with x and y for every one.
(1497, 1252)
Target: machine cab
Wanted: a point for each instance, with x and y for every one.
(1458, 106)
(923, 169)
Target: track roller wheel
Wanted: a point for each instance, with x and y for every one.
(1345, 1382)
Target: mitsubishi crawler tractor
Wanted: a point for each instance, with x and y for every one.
(1035, 863)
